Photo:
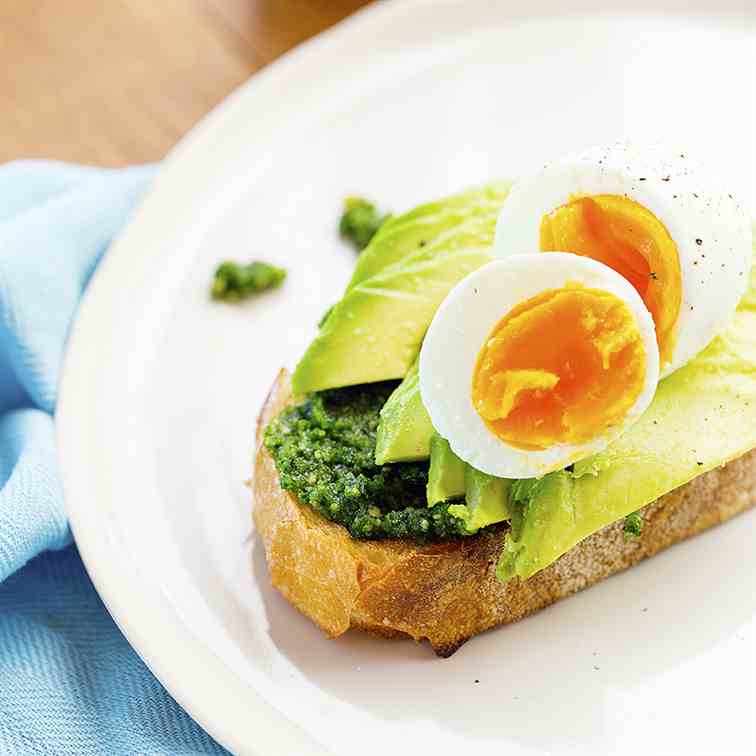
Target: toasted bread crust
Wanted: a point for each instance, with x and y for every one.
(448, 592)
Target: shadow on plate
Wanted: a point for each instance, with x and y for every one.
(545, 680)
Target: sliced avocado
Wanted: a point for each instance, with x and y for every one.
(404, 430)
(449, 477)
(486, 500)
(702, 416)
(446, 476)
(403, 235)
(374, 332)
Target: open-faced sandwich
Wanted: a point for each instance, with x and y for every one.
(522, 391)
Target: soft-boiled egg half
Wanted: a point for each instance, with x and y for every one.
(533, 362)
(656, 218)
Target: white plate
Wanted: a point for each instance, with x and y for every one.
(405, 102)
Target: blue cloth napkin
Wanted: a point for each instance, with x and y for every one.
(69, 681)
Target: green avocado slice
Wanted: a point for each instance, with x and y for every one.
(404, 429)
(374, 332)
(449, 477)
(405, 234)
(446, 475)
(702, 416)
(486, 500)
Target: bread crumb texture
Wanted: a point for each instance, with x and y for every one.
(447, 592)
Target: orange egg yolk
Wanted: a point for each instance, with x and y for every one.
(627, 237)
(562, 367)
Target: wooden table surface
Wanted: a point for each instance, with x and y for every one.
(112, 82)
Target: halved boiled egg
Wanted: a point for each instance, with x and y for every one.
(656, 218)
(534, 362)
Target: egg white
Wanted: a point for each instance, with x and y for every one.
(710, 229)
(460, 328)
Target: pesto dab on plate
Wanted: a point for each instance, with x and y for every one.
(523, 390)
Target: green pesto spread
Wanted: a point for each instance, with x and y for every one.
(324, 452)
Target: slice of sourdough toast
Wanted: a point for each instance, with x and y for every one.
(448, 592)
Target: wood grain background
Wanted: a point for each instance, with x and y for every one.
(112, 82)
